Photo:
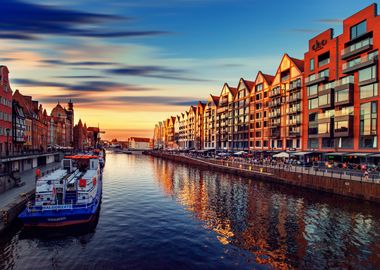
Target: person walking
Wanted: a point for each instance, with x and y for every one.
(366, 175)
(38, 173)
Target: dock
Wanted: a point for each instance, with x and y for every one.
(13, 201)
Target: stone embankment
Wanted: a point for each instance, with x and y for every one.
(301, 177)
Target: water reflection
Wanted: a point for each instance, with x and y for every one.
(281, 226)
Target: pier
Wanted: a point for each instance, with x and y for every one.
(13, 200)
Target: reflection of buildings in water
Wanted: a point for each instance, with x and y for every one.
(279, 228)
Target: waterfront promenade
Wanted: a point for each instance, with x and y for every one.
(337, 182)
(16, 197)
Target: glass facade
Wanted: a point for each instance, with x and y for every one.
(368, 73)
(368, 125)
(358, 30)
(370, 90)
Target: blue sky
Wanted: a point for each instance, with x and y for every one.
(128, 64)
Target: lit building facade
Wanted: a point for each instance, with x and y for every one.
(210, 122)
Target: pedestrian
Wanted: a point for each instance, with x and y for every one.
(38, 173)
(366, 175)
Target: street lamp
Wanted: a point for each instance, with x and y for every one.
(7, 131)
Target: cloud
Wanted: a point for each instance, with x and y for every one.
(330, 21)
(86, 86)
(28, 21)
(304, 30)
(38, 83)
(79, 63)
(122, 101)
(79, 77)
(154, 72)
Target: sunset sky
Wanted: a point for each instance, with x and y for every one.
(129, 64)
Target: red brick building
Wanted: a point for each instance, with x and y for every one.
(5, 112)
(341, 78)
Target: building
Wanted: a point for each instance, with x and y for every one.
(224, 114)
(18, 128)
(136, 143)
(172, 144)
(259, 120)
(341, 77)
(191, 122)
(199, 126)
(5, 112)
(61, 122)
(240, 116)
(285, 105)
(327, 102)
(210, 122)
(80, 136)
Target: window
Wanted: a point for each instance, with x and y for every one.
(341, 126)
(289, 143)
(279, 143)
(324, 73)
(312, 90)
(324, 128)
(367, 74)
(327, 143)
(312, 64)
(313, 143)
(324, 59)
(258, 143)
(358, 30)
(313, 103)
(324, 100)
(342, 96)
(259, 87)
(368, 118)
(369, 90)
(313, 117)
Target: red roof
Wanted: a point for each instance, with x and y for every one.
(298, 62)
(268, 78)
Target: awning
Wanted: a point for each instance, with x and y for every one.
(281, 155)
(336, 154)
(301, 153)
(240, 153)
(375, 155)
(358, 154)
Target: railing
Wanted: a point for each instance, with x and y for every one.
(344, 81)
(357, 46)
(358, 61)
(277, 168)
(317, 76)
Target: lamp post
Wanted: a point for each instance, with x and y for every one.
(7, 149)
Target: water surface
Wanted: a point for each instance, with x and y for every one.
(157, 214)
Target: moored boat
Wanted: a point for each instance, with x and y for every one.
(68, 196)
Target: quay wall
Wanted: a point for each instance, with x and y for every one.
(351, 188)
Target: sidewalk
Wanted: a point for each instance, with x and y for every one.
(29, 178)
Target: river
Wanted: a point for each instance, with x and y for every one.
(156, 214)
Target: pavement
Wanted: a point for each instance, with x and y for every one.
(28, 177)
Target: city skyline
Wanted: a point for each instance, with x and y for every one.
(122, 64)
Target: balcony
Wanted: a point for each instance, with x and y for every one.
(344, 90)
(317, 78)
(275, 92)
(294, 134)
(345, 130)
(294, 122)
(326, 101)
(293, 110)
(362, 62)
(357, 48)
(295, 97)
(295, 86)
